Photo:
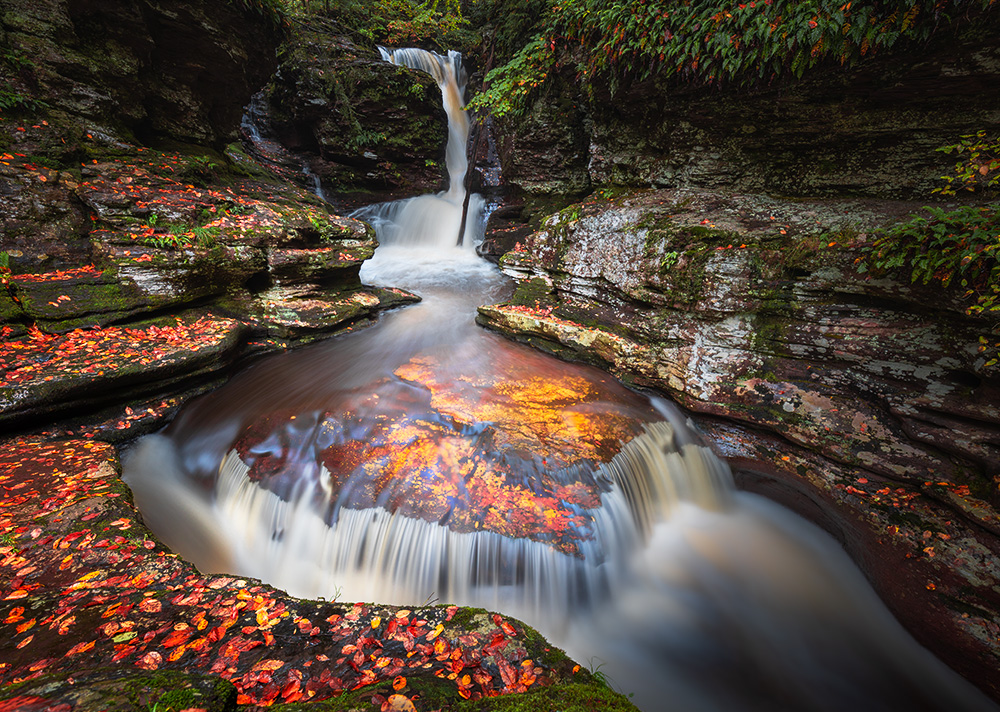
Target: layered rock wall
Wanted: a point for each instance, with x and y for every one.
(359, 122)
(152, 70)
(867, 131)
(865, 403)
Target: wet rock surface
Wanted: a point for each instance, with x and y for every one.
(870, 391)
(175, 247)
(515, 449)
(133, 278)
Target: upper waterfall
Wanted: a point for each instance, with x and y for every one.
(450, 76)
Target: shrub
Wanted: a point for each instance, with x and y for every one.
(979, 167)
(946, 246)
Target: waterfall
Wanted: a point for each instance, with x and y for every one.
(449, 217)
(685, 589)
(311, 471)
(450, 76)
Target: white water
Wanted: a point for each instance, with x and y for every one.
(689, 594)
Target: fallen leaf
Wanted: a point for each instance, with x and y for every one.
(400, 703)
(81, 648)
(150, 661)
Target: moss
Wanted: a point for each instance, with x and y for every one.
(125, 690)
(586, 695)
(465, 616)
(769, 335)
(532, 293)
(573, 697)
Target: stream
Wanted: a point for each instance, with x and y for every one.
(426, 460)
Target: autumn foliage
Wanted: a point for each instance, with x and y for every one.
(703, 41)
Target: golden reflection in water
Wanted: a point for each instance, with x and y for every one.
(510, 449)
(559, 415)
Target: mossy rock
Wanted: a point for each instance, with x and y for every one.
(10, 314)
(431, 693)
(122, 690)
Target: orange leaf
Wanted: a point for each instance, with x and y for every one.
(25, 626)
(399, 683)
(150, 605)
(81, 648)
(269, 665)
(176, 637)
(150, 661)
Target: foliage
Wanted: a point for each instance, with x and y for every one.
(960, 245)
(11, 99)
(277, 10)
(946, 246)
(181, 236)
(395, 22)
(16, 59)
(511, 84)
(510, 25)
(705, 41)
(980, 167)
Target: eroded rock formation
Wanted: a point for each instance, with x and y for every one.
(867, 131)
(865, 403)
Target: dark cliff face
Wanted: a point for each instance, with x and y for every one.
(867, 131)
(361, 123)
(149, 71)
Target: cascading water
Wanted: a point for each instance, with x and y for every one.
(426, 459)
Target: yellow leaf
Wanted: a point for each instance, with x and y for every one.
(435, 633)
(400, 703)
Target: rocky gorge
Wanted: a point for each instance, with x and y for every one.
(719, 257)
(707, 247)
